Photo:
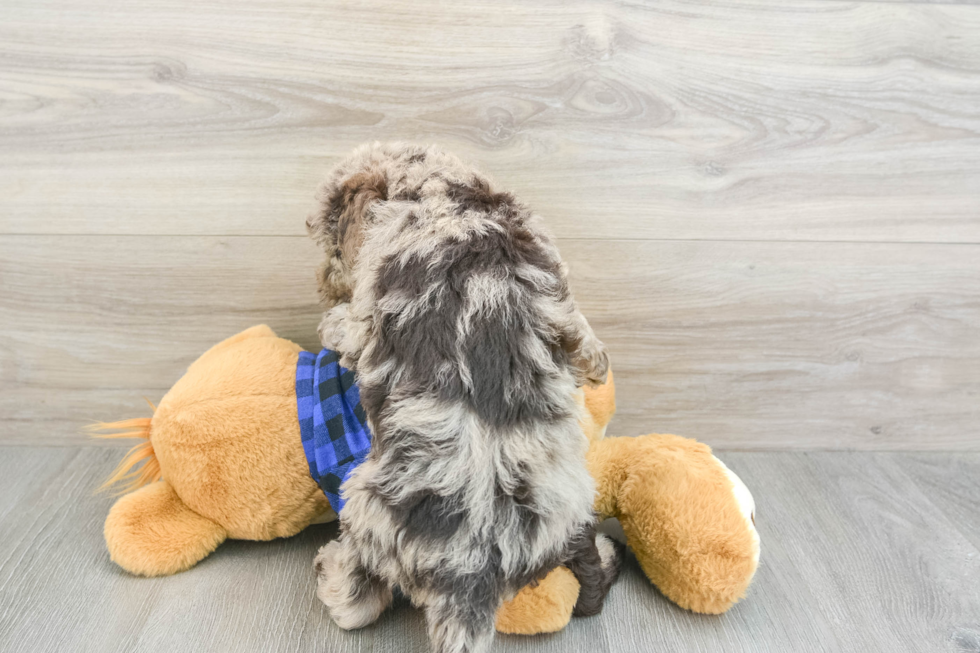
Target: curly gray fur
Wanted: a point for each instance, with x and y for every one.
(450, 301)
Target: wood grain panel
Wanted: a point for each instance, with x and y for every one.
(952, 482)
(801, 120)
(787, 345)
(742, 345)
(89, 324)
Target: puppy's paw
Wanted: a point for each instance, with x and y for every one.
(591, 363)
(322, 563)
(333, 327)
(597, 365)
(353, 599)
(611, 554)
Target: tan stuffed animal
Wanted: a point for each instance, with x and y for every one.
(223, 458)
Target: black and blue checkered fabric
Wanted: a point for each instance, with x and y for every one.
(336, 437)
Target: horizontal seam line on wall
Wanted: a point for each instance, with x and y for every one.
(561, 238)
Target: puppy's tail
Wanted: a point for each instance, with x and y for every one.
(125, 473)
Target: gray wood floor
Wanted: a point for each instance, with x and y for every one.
(861, 552)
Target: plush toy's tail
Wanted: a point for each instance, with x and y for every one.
(143, 452)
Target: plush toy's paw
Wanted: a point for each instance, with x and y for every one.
(542, 608)
(151, 532)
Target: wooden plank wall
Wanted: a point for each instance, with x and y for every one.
(771, 211)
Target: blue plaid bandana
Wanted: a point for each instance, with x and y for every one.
(336, 438)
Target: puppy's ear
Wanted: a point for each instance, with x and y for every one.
(338, 227)
(344, 212)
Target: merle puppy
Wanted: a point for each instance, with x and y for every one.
(451, 304)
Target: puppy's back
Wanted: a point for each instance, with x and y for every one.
(468, 349)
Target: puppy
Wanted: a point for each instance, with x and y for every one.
(450, 302)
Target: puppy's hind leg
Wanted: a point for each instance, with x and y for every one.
(595, 561)
(354, 598)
